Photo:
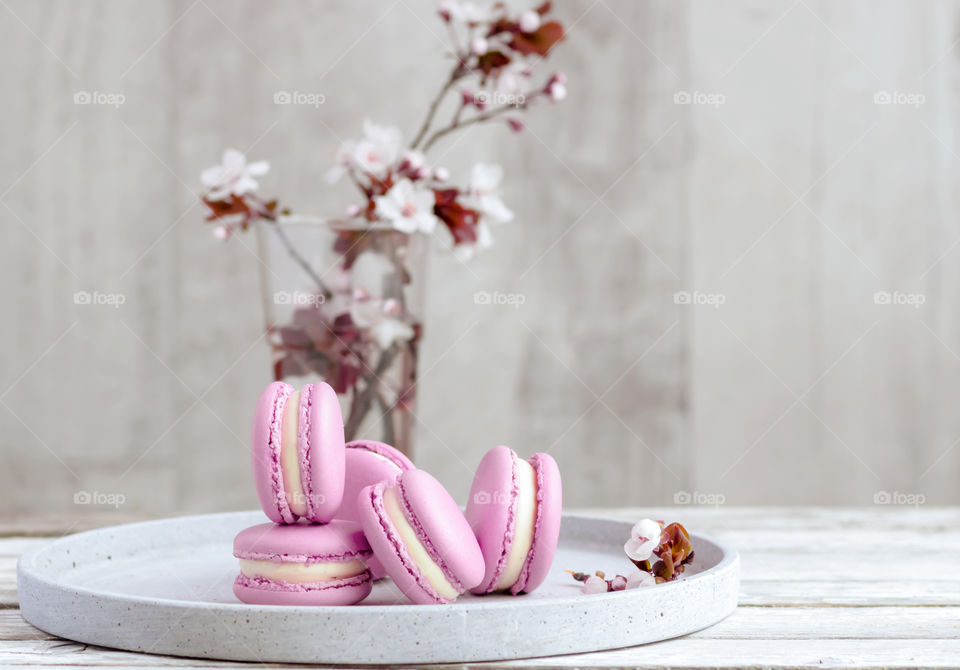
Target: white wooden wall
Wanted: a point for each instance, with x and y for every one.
(795, 200)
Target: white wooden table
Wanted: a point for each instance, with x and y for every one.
(821, 588)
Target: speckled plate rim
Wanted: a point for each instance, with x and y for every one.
(54, 606)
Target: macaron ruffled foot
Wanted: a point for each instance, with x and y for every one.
(302, 564)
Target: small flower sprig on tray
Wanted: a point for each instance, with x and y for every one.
(670, 544)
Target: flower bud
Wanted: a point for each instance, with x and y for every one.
(478, 46)
(441, 174)
(353, 210)
(444, 11)
(529, 21)
(557, 91)
(222, 233)
(516, 125)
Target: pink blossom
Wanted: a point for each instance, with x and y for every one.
(478, 46)
(594, 584)
(375, 154)
(441, 174)
(407, 208)
(556, 88)
(222, 233)
(644, 538)
(640, 579)
(618, 583)
(233, 177)
(379, 317)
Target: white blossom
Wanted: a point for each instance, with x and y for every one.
(407, 208)
(644, 538)
(234, 176)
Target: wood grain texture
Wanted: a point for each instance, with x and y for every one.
(796, 200)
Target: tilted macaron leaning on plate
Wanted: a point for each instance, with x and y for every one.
(345, 514)
(421, 537)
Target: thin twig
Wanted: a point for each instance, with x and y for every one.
(457, 124)
(282, 235)
(458, 73)
(361, 404)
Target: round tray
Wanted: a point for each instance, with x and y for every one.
(164, 587)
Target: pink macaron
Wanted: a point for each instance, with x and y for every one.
(302, 564)
(369, 462)
(421, 538)
(297, 452)
(514, 510)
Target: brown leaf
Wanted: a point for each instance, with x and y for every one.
(539, 42)
(492, 60)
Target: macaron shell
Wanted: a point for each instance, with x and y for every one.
(368, 462)
(435, 516)
(301, 542)
(321, 448)
(491, 512)
(546, 533)
(348, 593)
(265, 452)
(390, 552)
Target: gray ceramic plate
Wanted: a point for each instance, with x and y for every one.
(164, 587)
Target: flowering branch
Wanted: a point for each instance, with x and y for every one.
(355, 334)
(648, 538)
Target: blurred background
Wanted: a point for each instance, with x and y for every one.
(736, 239)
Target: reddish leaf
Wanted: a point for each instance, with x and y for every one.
(502, 26)
(461, 221)
(492, 60)
(539, 42)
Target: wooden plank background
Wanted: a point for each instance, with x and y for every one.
(794, 202)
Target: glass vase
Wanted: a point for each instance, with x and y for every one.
(343, 303)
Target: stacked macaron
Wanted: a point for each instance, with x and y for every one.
(345, 514)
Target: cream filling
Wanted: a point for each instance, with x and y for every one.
(299, 573)
(289, 458)
(430, 570)
(523, 530)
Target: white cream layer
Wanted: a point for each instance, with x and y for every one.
(299, 573)
(430, 570)
(526, 520)
(289, 456)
